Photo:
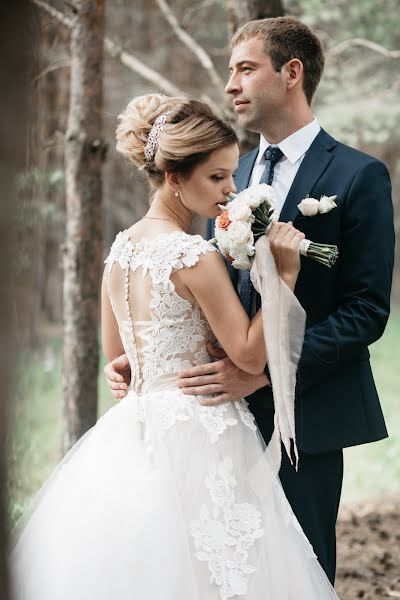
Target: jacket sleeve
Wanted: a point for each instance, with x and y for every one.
(365, 278)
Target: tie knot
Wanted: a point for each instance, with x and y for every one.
(273, 154)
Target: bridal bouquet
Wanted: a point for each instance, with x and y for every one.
(246, 218)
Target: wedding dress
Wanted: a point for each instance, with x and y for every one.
(164, 499)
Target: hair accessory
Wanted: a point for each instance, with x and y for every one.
(149, 149)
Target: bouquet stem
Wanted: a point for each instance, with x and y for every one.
(326, 254)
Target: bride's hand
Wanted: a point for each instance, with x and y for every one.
(284, 241)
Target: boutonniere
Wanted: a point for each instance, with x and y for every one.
(311, 206)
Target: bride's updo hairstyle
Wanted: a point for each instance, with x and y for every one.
(190, 133)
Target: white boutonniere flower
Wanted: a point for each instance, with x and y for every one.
(326, 204)
(311, 206)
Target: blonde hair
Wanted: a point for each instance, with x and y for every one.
(191, 132)
(285, 38)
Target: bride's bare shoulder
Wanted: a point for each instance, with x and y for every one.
(146, 230)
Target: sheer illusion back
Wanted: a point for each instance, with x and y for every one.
(162, 332)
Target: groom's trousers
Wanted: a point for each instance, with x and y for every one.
(313, 491)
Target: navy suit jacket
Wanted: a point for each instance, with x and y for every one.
(347, 306)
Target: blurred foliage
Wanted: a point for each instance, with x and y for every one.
(375, 20)
(357, 99)
(35, 433)
(36, 207)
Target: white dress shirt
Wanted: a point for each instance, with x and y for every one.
(294, 148)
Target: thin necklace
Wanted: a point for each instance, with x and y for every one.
(163, 219)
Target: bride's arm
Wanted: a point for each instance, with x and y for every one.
(210, 284)
(110, 338)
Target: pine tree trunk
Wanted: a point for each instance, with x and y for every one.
(241, 11)
(84, 155)
(16, 42)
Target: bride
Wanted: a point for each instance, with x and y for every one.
(166, 498)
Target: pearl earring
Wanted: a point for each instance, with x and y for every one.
(176, 194)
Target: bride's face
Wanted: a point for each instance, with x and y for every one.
(210, 182)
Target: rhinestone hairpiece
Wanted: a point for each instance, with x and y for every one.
(149, 149)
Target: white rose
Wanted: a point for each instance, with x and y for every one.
(240, 233)
(250, 248)
(264, 193)
(242, 263)
(327, 203)
(254, 200)
(308, 207)
(257, 194)
(223, 241)
(238, 210)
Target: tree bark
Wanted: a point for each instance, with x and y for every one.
(242, 11)
(16, 41)
(84, 155)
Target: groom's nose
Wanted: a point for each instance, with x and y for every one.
(233, 85)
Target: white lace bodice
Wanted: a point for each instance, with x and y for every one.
(162, 332)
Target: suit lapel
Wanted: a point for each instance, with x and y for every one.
(316, 160)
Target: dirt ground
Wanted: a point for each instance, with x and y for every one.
(368, 537)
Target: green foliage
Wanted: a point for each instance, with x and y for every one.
(372, 19)
(35, 439)
(373, 469)
(36, 188)
(357, 99)
(36, 206)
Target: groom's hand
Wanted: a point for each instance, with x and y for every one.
(224, 380)
(118, 376)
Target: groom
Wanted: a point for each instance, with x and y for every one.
(275, 68)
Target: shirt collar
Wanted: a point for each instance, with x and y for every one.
(295, 145)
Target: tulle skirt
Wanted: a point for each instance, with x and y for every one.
(165, 499)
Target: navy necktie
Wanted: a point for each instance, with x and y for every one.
(272, 156)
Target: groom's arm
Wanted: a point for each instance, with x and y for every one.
(367, 255)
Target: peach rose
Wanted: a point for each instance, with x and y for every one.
(223, 220)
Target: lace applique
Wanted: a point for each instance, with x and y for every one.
(225, 533)
(214, 421)
(172, 409)
(177, 333)
(202, 356)
(168, 252)
(120, 252)
(246, 416)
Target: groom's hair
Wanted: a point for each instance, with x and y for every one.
(286, 38)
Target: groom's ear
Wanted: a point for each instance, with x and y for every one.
(293, 72)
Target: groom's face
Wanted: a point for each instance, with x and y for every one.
(258, 92)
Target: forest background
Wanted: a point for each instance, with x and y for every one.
(179, 47)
